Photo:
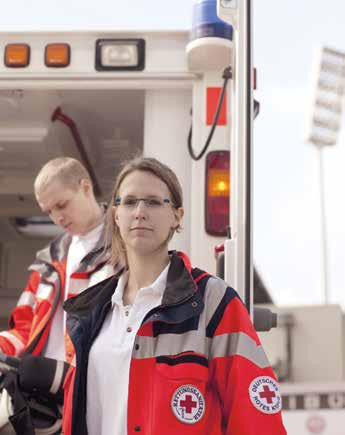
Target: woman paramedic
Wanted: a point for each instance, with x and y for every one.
(163, 348)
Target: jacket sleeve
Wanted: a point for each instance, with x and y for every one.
(242, 375)
(14, 340)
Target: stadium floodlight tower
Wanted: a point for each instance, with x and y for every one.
(324, 126)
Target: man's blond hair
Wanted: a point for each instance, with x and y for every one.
(66, 170)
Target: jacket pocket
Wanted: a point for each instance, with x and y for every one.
(180, 394)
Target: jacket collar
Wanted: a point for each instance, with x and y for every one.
(180, 286)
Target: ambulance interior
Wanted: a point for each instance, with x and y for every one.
(29, 138)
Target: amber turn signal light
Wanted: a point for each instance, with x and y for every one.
(17, 55)
(57, 55)
(217, 204)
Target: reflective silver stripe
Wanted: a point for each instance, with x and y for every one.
(26, 298)
(169, 344)
(238, 343)
(105, 272)
(57, 377)
(44, 291)
(77, 285)
(231, 344)
(214, 293)
(18, 345)
(223, 345)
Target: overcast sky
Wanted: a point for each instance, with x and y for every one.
(286, 207)
(287, 212)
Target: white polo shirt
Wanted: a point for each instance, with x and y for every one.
(110, 357)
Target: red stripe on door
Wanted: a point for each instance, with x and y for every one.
(212, 98)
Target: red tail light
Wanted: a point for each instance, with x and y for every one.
(217, 192)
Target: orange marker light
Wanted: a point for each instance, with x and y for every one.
(217, 198)
(218, 182)
(17, 55)
(57, 55)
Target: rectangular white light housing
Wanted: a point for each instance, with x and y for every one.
(37, 226)
(120, 54)
(23, 134)
(329, 89)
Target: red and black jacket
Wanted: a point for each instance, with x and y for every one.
(197, 365)
(31, 319)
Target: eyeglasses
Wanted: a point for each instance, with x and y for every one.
(131, 202)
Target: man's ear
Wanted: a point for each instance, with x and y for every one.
(86, 186)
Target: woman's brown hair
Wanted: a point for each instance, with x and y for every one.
(144, 164)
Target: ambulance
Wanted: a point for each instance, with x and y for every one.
(187, 99)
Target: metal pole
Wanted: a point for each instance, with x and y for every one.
(239, 250)
(245, 86)
(324, 250)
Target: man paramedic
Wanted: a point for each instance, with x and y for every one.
(68, 265)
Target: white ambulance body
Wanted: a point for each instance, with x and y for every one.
(116, 114)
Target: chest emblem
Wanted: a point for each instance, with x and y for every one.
(188, 404)
(264, 395)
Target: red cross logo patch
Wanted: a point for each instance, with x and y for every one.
(188, 404)
(265, 395)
